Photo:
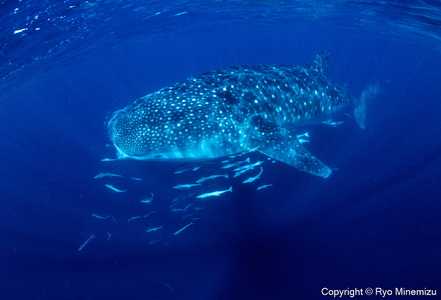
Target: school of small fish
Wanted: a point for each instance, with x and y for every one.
(200, 190)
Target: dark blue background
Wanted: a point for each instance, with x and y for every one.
(375, 222)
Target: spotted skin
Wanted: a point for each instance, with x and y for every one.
(230, 110)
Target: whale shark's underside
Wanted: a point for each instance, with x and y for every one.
(230, 110)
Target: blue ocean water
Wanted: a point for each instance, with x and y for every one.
(65, 67)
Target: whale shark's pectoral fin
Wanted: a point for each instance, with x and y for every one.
(282, 144)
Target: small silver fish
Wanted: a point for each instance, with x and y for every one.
(154, 229)
(99, 217)
(115, 189)
(236, 164)
(246, 168)
(101, 175)
(109, 159)
(306, 135)
(186, 216)
(85, 243)
(213, 194)
(249, 167)
(251, 179)
(185, 186)
(152, 212)
(211, 177)
(183, 170)
(183, 228)
(241, 172)
(264, 186)
(155, 241)
(303, 138)
(148, 199)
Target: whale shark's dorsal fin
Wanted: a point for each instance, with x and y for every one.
(320, 63)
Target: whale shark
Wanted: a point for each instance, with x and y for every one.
(235, 109)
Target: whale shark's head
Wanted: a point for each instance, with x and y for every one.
(128, 134)
(159, 129)
(138, 136)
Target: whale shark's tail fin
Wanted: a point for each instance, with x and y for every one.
(362, 102)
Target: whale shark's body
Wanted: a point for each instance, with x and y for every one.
(231, 110)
